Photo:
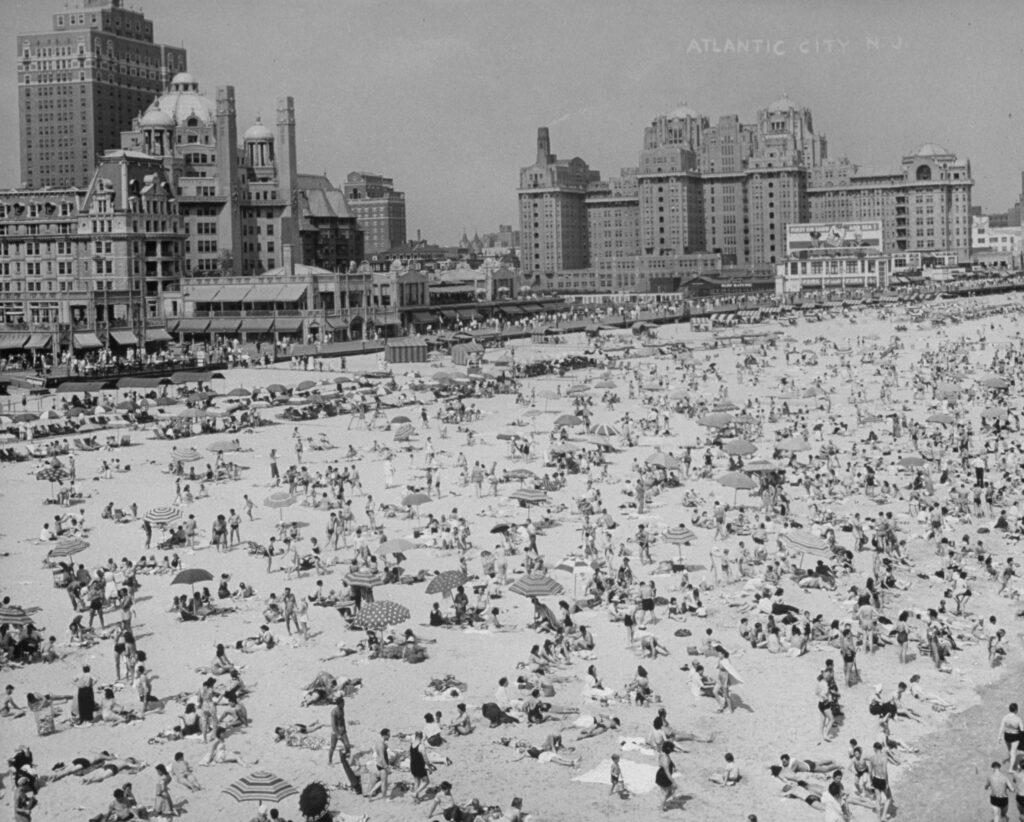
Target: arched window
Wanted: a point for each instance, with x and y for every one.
(924, 172)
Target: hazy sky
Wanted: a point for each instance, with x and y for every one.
(446, 95)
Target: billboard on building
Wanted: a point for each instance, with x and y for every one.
(824, 237)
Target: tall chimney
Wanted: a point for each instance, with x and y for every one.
(288, 260)
(543, 146)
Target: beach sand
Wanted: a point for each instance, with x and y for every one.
(777, 712)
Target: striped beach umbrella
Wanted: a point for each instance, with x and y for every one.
(376, 616)
(13, 615)
(260, 787)
(364, 579)
(604, 429)
(520, 474)
(678, 535)
(577, 389)
(536, 585)
(404, 432)
(67, 546)
(805, 542)
(529, 496)
(185, 454)
(163, 514)
(445, 582)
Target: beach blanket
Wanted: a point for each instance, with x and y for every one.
(638, 776)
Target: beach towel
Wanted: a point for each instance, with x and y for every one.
(638, 776)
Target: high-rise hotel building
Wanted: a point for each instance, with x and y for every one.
(80, 84)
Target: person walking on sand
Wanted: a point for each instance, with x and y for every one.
(878, 768)
(664, 777)
(275, 472)
(382, 766)
(998, 787)
(1012, 728)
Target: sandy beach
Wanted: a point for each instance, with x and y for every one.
(774, 712)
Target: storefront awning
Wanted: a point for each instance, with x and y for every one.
(11, 342)
(233, 293)
(225, 325)
(423, 317)
(448, 314)
(203, 293)
(257, 324)
(158, 335)
(86, 339)
(39, 341)
(263, 293)
(511, 310)
(287, 325)
(290, 293)
(192, 325)
(467, 314)
(337, 323)
(124, 337)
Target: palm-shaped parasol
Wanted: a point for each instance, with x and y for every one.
(260, 787)
(376, 616)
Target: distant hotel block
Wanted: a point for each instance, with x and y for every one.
(704, 199)
(379, 210)
(80, 84)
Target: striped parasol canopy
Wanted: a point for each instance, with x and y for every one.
(805, 541)
(13, 615)
(404, 432)
(260, 787)
(67, 546)
(577, 389)
(530, 496)
(163, 514)
(604, 429)
(678, 535)
(520, 474)
(185, 455)
(536, 585)
(376, 616)
(280, 500)
(364, 579)
(913, 461)
(941, 419)
(445, 581)
(224, 445)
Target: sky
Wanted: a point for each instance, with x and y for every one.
(445, 96)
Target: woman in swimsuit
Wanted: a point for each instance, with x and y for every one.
(663, 778)
(418, 766)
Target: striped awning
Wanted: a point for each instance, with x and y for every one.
(257, 324)
(225, 325)
(192, 325)
(11, 342)
(124, 337)
(86, 339)
(39, 341)
(203, 293)
(158, 335)
(287, 325)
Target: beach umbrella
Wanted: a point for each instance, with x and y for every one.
(305, 385)
(738, 481)
(806, 542)
(67, 546)
(376, 616)
(536, 585)
(260, 787)
(533, 412)
(191, 414)
(941, 419)
(185, 455)
(568, 420)
(501, 528)
(164, 401)
(446, 581)
(725, 405)
(52, 474)
(364, 578)
(404, 432)
(529, 496)
(24, 416)
(400, 419)
(162, 515)
(566, 447)
(793, 444)
(663, 460)
(276, 388)
(947, 389)
(280, 500)
(913, 461)
(604, 384)
(761, 467)
(717, 419)
(520, 474)
(396, 545)
(13, 615)
(679, 394)
(190, 576)
(995, 413)
(604, 429)
(577, 389)
(224, 445)
(415, 499)
(239, 392)
(995, 382)
(739, 448)
(678, 535)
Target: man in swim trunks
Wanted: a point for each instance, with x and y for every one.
(878, 768)
(998, 787)
(1011, 727)
(794, 766)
